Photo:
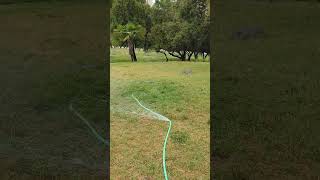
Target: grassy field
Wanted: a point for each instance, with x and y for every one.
(52, 54)
(266, 91)
(178, 90)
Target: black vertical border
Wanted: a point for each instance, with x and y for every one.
(212, 10)
(107, 38)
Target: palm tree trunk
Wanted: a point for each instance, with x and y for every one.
(132, 50)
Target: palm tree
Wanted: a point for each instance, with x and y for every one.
(130, 31)
(129, 39)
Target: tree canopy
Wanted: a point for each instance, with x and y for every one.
(179, 27)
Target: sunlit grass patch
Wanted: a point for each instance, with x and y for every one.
(160, 92)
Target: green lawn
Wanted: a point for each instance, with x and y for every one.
(266, 91)
(179, 91)
(52, 54)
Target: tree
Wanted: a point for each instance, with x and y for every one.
(132, 17)
(182, 27)
(177, 27)
(128, 11)
(128, 34)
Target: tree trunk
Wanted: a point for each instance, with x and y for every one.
(145, 46)
(190, 55)
(196, 55)
(180, 55)
(183, 55)
(166, 57)
(132, 50)
(163, 52)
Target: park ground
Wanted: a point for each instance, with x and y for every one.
(178, 90)
(52, 53)
(266, 91)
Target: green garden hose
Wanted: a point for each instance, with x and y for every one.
(159, 117)
(163, 118)
(94, 132)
